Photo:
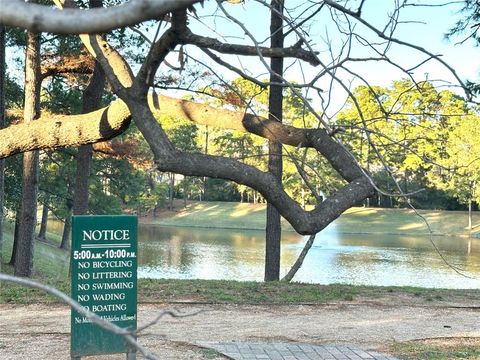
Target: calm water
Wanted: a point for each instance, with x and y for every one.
(190, 253)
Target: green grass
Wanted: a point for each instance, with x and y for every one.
(355, 220)
(241, 292)
(248, 292)
(49, 261)
(468, 348)
(256, 293)
(50, 266)
(222, 215)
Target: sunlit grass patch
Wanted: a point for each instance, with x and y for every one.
(438, 349)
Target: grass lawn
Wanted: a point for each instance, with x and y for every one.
(49, 261)
(438, 349)
(249, 292)
(354, 220)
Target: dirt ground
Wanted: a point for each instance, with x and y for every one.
(42, 331)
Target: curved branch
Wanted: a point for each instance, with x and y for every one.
(263, 127)
(40, 18)
(111, 121)
(167, 158)
(304, 222)
(59, 131)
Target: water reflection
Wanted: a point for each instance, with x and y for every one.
(169, 252)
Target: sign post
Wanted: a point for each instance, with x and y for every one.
(104, 280)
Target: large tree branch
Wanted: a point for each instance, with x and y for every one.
(318, 139)
(40, 18)
(111, 121)
(304, 222)
(60, 131)
(167, 158)
(116, 69)
(57, 131)
(67, 65)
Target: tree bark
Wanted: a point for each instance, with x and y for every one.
(24, 256)
(470, 214)
(273, 231)
(68, 223)
(2, 125)
(67, 227)
(171, 190)
(92, 97)
(43, 224)
(55, 131)
(206, 153)
(185, 192)
(74, 21)
(15, 236)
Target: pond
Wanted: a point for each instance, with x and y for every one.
(199, 253)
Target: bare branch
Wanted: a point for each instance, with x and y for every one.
(391, 39)
(210, 43)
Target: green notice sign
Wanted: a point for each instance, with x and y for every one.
(104, 280)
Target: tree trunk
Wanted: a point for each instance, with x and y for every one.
(185, 192)
(368, 170)
(15, 237)
(171, 190)
(205, 178)
(43, 224)
(470, 214)
(275, 103)
(24, 256)
(304, 205)
(92, 97)
(67, 227)
(68, 222)
(2, 125)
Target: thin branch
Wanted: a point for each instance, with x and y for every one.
(92, 317)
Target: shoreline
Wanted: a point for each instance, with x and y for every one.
(354, 221)
(475, 236)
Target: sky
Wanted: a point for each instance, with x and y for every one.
(421, 26)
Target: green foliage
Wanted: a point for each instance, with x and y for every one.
(13, 183)
(460, 171)
(427, 139)
(149, 200)
(469, 25)
(221, 190)
(57, 97)
(13, 93)
(57, 173)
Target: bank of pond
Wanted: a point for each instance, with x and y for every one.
(335, 257)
